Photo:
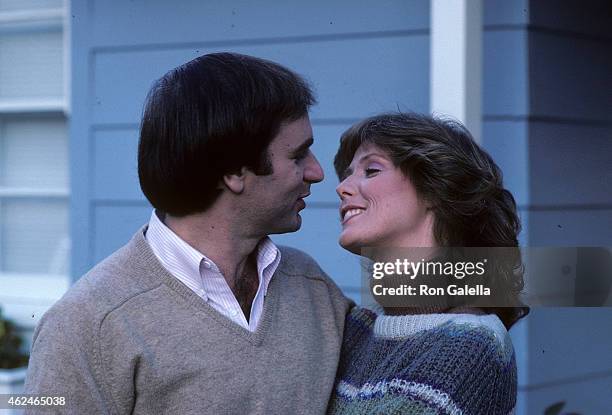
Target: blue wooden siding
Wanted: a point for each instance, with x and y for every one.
(570, 130)
(505, 89)
(547, 122)
(570, 171)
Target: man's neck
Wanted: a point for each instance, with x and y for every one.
(227, 245)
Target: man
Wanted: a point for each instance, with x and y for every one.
(200, 312)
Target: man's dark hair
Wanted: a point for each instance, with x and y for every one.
(210, 117)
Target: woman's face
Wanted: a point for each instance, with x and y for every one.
(380, 206)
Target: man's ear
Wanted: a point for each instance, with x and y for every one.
(234, 182)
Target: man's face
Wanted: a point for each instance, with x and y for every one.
(276, 199)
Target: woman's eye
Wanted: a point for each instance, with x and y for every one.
(371, 171)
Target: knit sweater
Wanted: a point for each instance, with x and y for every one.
(128, 337)
(425, 364)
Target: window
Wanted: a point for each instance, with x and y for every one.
(34, 181)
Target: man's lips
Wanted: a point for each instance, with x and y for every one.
(301, 204)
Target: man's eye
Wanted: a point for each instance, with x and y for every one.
(371, 171)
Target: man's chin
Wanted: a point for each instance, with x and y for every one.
(292, 226)
(298, 224)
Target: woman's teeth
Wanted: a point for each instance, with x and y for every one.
(352, 212)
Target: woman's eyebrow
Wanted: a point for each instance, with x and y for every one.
(349, 170)
(369, 156)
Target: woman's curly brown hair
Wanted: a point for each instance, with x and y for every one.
(459, 180)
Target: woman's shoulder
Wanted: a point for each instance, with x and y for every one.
(358, 330)
(363, 314)
(486, 332)
(359, 320)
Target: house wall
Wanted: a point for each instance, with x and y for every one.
(545, 121)
(505, 107)
(570, 204)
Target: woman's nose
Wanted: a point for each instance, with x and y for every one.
(345, 188)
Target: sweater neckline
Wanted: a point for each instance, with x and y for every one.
(152, 267)
(397, 327)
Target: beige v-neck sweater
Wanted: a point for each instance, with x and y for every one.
(128, 337)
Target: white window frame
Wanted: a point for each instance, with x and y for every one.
(25, 297)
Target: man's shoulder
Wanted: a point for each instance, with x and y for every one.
(298, 263)
(109, 284)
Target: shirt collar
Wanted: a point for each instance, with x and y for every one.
(268, 258)
(177, 256)
(185, 262)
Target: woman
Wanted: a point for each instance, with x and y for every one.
(411, 180)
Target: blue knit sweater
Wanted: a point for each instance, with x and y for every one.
(425, 364)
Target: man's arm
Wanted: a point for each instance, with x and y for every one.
(64, 363)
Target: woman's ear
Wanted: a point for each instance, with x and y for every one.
(427, 204)
(234, 182)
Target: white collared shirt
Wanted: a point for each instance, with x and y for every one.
(202, 275)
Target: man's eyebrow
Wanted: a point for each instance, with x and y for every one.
(302, 147)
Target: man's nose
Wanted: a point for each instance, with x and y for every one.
(313, 172)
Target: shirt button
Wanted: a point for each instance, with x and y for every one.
(207, 264)
(234, 313)
(201, 292)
